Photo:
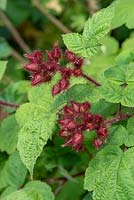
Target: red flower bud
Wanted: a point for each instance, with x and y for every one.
(34, 57)
(68, 142)
(56, 89)
(64, 133)
(97, 143)
(102, 132)
(51, 66)
(55, 54)
(70, 56)
(37, 79)
(33, 67)
(77, 72)
(78, 62)
(63, 84)
(77, 141)
(65, 72)
(84, 107)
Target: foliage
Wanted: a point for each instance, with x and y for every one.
(69, 133)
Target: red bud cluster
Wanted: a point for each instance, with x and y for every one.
(43, 71)
(75, 119)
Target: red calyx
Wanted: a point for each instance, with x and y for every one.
(70, 56)
(32, 67)
(34, 57)
(78, 62)
(102, 131)
(77, 72)
(97, 143)
(55, 54)
(77, 141)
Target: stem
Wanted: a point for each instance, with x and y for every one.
(91, 79)
(4, 103)
(92, 6)
(17, 56)
(61, 181)
(118, 118)
(14, 32)
(54, 20)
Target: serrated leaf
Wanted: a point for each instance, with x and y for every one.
(79, 93)
(13, 172)
(110, 174)
(111, 92)
(114, 93)
(129, 140)
(2, 68)
(32, 191)
(120, 74)
(79, 44)
(37, 124)
(123, 13)
(117, 135)
(9, 134)
(99, 25)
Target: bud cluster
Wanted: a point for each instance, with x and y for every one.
(43, 71)
(74, 119)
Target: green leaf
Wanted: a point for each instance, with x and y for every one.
(32, 191)
(79, 44)
(109, 46)
(123, 13)
(129, 140)
(110, 174)
(99, 25)
(5, 49)
(79, 93)
(111, 92)
(13, 172)
(18, 11)
(3, 4)
(2, 68)
(114, 93)
(125, 57)
(117, 135)
(9, 134)
(36, 123)
(120, 74)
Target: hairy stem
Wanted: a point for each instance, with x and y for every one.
(14, 32)
(4, 103)
(91, 79)
(54, 20)
(118, 118)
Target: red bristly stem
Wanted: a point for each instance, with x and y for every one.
(118, 118)
(91, 79)
(4, 103)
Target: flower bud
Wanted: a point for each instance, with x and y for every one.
(97, 143)
(102, 132)
(33, 67)
(34, 57)
(78, 62)
(70, 56)
(77, 72)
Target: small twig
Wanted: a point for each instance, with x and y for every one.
(118, 118)
(92, 6)
(4, 103)
(61, 181)
(54, 20)
(91, 80)
(17, 56)
(14, 32)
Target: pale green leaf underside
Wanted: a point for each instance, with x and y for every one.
(86, 47)
(110, 175)
(99, 25)
(2, 68)
(32, 191)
